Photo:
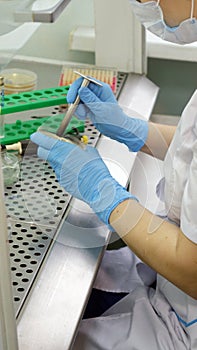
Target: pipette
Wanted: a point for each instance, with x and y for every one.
(71, 110)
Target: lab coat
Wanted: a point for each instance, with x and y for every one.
(164, 318)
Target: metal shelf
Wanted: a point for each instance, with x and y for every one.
(57, 242)
(35, 206)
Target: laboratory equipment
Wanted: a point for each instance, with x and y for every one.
(108, 117)
(71, 110)
(78, 244)
(40, 11)
(21, 130)
(106, 75)
(12, 42)
(46, 284)
(34, 99)
(14, 12)
(10, 163)
(8, 334)
(18, 80)
(14, 32)
(1, 106)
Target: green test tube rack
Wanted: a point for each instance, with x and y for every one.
(35, 99)
(24, 101)
(21, 130)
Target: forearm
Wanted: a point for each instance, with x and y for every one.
(158, 243)
(159, 139)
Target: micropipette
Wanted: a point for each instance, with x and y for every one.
(73, 106)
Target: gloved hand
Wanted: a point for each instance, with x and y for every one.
(82, 173)
(100, 104)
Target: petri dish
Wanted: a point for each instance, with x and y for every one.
(18, 80)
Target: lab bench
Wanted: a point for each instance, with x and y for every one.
(56, 242)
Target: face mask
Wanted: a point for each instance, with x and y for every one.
(151, 16)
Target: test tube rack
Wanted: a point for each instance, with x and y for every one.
(35, 99)
(21, 130)
(106, 75)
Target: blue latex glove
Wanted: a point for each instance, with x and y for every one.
(100, 104)
(83, 174)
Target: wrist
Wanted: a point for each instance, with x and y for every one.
(112, 194)
(134, 133)
(121, 219)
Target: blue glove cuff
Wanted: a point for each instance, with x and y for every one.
(135, 133)
(111, 196)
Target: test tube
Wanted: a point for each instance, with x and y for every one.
(1, 106)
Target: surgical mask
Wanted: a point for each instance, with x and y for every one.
(151, 16)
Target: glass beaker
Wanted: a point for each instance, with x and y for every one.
(10, 167)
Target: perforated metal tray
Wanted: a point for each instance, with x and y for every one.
(35, 207)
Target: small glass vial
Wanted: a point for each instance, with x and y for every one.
(10, 167)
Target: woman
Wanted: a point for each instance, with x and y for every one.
(164, 317)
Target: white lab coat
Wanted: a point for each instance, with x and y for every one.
(149, 319)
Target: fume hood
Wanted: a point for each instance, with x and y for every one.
(52, 281)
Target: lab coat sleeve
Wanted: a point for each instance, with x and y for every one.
(189, 201)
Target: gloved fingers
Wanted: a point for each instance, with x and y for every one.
(75, 86)
(95, 109)
(104, 92)
(101, 112)
(57, 154)
(47, 143)
(87, 96)
(73, 90)
(43, 140)
(43, 153)
(81, 111)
